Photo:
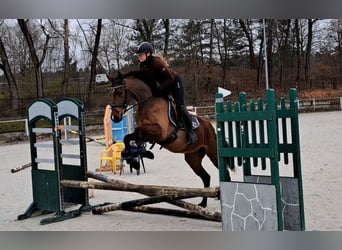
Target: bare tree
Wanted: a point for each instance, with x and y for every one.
(247, 29)
(34, 56)
(282, 38)
(12, 84)
(66, 74)
(335, 35)
(145, 27)
(270, 30)
(64, 34)
(308, 55)
(298, 52)
(94, 57)
(166, 23)
(113, 41)
(94, 50)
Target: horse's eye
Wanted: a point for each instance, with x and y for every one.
(118, 92)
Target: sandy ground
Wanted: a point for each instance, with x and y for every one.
(321, 139)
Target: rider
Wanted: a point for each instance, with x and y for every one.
(169, 82)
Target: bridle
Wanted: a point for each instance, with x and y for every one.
(124, 105)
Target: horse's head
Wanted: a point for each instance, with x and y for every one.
(126, 90)
(119, 100)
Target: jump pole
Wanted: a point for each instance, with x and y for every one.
(17, 169)
(168, 194)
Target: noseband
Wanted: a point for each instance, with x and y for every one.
(124, 104)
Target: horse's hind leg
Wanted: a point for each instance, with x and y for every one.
(195, 162)
(213, 156)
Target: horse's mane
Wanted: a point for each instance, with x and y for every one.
(146, 78)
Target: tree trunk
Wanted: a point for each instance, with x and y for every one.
(225, 53)
(270, 52)
(66, 73)
(12, 84)
(247, 31)
(34, 57)
(166, 23)
(283, 53)
(91, 85)
(307, 66)
(298, 54)
(145, 28)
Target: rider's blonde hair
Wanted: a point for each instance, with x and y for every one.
(162, 58)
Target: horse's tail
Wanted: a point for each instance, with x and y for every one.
(212, 134)
(229, 160)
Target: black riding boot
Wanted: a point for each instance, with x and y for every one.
(190, 134)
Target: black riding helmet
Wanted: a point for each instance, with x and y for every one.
(144, 47)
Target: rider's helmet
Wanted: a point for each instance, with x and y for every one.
(144, 47)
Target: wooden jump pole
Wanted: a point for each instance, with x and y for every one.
(17, 169)
(149, 190)
(175, 212)
(200, 211)
(159, 194)
(134, 203)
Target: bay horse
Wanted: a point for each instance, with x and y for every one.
(153, 123)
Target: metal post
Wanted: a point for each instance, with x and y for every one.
(265, 54)
(27, 128)
(67, 122)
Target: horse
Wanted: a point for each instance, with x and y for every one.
(153, 124)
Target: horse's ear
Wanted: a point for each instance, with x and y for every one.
(111, 79)
(120, 76)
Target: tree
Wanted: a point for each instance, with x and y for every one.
(298, 52)
(112, 48)
(94, 54)
(34, 55)
(145, 27)
(282, 38)
(12, 84)
(166, 23)
(335, 35)
(66, 73)
(64, 34)
(93, 49)
(249, 28)
(270, 31)
(246, 26)
(307, 65)
(222, 47)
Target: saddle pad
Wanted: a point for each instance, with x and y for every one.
(173, 120)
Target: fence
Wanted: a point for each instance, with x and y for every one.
(304, 105)
(265, 136)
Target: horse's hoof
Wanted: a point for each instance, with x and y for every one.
(203, 204)
(147, 154)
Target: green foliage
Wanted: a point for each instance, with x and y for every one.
(7, 127)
